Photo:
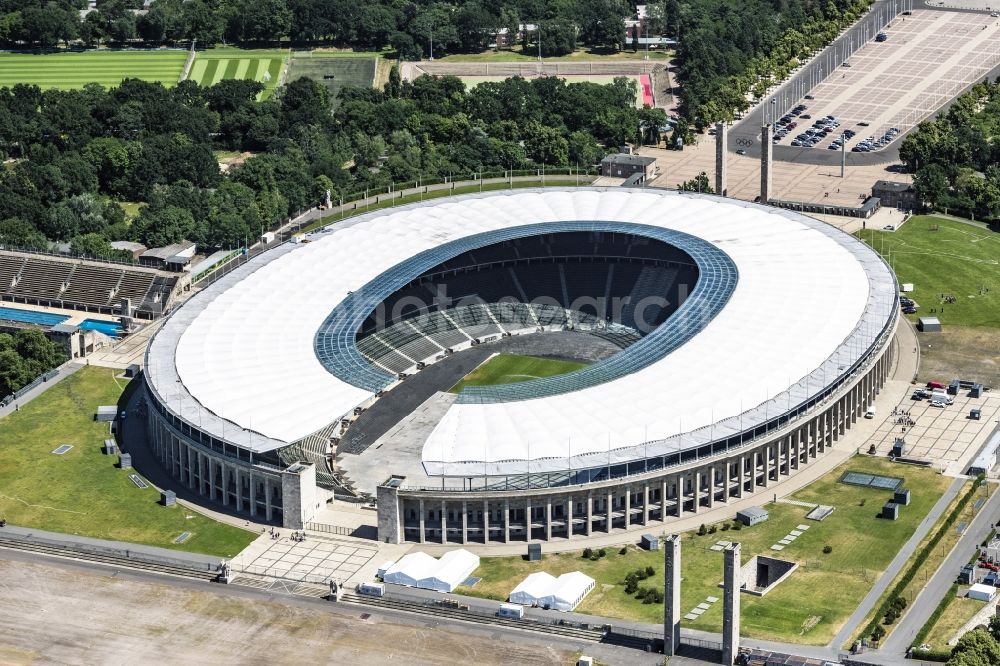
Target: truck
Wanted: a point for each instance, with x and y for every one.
(513, 611)
(942, 396)
(371, 589)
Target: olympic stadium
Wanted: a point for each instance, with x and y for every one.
(727, 345)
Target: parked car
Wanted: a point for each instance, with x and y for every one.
(741, 152)
(910, 310)
(935, 385)
(881, 37)
(863, 124)
(936, 403)
(889, 227)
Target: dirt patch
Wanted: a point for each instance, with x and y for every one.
(52, 615)
(961, 352)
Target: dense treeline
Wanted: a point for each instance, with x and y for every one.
(407, 26)
(956, 158)
(25, 355)
(730, 52)
(73, 155)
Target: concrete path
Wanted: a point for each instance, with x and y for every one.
(934, 590)
(65, 370)
(889, 575)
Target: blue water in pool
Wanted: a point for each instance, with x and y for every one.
(110, 328)
(32, 316)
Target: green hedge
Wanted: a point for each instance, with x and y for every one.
(931, 655)
(936, 615)
(915, 562)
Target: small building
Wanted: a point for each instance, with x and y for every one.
(161, 257)
(125, 461)
(975, 414)
(106, 413)
(110, 447)
(929, 325)
(890, 511)
(967, 576)
(545, 590)
(752, 515)
(896, 195)
(168, 497)
(75, 341)
(981, 592)
(133, 248)
(901, 496)
(898, 448)
(650, 542)
(987, 458)
(976, 391)
(534, 552)
(621, 165)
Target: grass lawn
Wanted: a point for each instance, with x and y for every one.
(807, 608)
(131, 208)
(961, 259)
(262, 65)
(958, 258)
(959, 611)
(511, 368)
(76, 69)
(82, 492)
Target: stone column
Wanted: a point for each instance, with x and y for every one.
(506, 521)
(607, 510)
(721, 133)
(671, 595)
(253, 496)
(239, 488)
(267, 499)
(211, 479)
(590, 513)
(423, 514)
(548, 518)
(444, 523)
(569, 517)
(486, 521)
(465, 522)
(732, 582)
(766, 160)
(628, 507)
(645, 503)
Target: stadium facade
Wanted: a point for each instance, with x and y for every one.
(750, 340)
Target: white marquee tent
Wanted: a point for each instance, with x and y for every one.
(423, 571)
(543, 589)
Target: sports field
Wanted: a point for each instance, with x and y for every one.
(71, 70)
(216, 65)
(946, 257)
(81, 491)
(643, 94)
(511, 368)
(334, 70)
(806, 608)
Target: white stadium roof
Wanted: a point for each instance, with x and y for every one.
(239, 361)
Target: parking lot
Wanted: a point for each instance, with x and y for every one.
(926, 59)
(945, 435)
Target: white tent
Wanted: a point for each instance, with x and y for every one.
(542, 589)
(423, 571)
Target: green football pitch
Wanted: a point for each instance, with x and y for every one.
(335, 71)
(511, 368)
(216, 65)
(76, 69)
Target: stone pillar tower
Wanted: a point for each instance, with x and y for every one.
(671, 594)
(766, 160)
(732, 582)
(721, 139)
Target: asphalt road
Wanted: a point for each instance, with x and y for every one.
(934, 590)
(897, 564)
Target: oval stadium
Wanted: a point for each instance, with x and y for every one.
(705, 347)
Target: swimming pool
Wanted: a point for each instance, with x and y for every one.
(32, 316)
(109, 328)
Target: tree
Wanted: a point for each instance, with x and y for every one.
(697, 184)
(584, 150)
(545, 145)
(394, 86)
(976, 648)
(15, 232)
(932, 185)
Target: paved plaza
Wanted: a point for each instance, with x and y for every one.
(944, 435)
(928, 58)
(793, 181)
(315, 560)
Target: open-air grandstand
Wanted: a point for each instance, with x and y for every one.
(79, 284)
(614, 286)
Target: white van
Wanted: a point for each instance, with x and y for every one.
(371, 589)
(870, 412)
(513, 611)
